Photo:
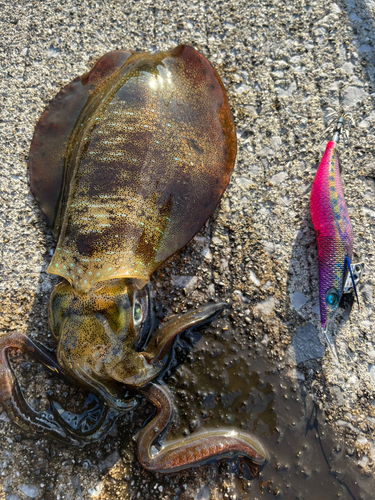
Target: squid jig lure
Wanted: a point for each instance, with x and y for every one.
(334, 233)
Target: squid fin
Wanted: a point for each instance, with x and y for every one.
(349, 264)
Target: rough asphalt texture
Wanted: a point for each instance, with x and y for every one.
(283, 64)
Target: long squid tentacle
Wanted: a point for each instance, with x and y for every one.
(95, 422)
(194, 450)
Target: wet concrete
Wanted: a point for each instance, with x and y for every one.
(284, 65)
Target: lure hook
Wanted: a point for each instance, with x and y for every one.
(339, 123)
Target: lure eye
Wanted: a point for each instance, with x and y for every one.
(332, 297)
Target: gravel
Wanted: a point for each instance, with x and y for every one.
(306, 344)
(284, 65)
(29, 490)
(298, 300)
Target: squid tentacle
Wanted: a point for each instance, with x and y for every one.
(192, 451)
(54, 421)
(163, 337)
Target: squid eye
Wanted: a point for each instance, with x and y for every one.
(137, 311)
(332, 297)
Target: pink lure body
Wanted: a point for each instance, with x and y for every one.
(334, 233)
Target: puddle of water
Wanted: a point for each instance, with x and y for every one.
(223, 379)
(222, 383)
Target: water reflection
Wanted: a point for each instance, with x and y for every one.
(224, 383)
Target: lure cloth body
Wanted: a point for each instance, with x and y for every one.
(334, 233)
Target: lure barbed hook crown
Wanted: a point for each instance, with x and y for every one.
(340, 124)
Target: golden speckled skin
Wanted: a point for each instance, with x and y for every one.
(146, 162)
(127, 163)
(96, 332)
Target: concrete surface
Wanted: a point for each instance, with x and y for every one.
(283, 64)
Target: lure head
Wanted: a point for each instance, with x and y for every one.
(328, 305)
(333, 270)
